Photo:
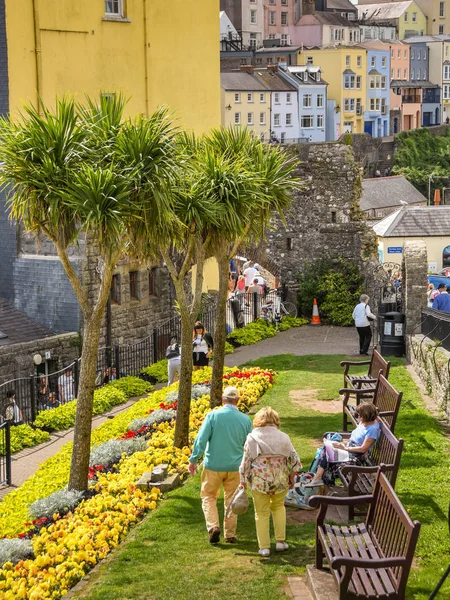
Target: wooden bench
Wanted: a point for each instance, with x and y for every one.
(384, 396)
(376, 364)
(384, 455)
(369, 560)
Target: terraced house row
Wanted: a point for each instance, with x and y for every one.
(384, 67)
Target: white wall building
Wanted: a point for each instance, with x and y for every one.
(227, 29)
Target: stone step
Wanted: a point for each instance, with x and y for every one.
(298, 588)
(321, 584)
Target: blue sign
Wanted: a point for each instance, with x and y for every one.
(395, 249)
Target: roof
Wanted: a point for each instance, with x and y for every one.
(383, 192)
(402, 83)
(382, 12)
(416, 221)
(274, 81)
(374, 72)
(280, 49)
(415, 39)
(349, 72)
(241, 81)
(297, 72)
(17, 327)
(326, 18)
(341, 5)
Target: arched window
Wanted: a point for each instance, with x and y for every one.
(446, 257)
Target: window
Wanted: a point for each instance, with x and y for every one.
(307, 122)
(284, 39)
(392, 53)
(237, 98)
(272, 36)
(373, 62)
(349, 105)
(372, 82)
(289, 243)
(152, 282)
(269, 61)
(375, 104)
(253, 17)
(398, 53)
(414, 17)
(262, 118)
(446, 71)
(115, 8)
(359, 61)
(307, 100)
(383, 62)
(309, 60)
(333, 216)
(413, 74)
(243, 61)
(262, 137)
(446, 91)
(413, 54)
(284, 18)
(424, 74)
(258, 61)
(272, 17)
(115, 289)
(441, 29)
(134, 285)
(271, 1)
(405, 73)
(446, 51)
(320, 121)
(282, 137)
(358, 82)
(319, 101)
(276, 119)
(406, 17)
(288, 119)
(283, 2)
(276, 98)
(392, 73)
(347, 60)
(250, 118)
(383, 82)
(441, 10)
(418, 54)
(349, 82)
(288, 98)
(253, 41)
(237, 118)
(250, 97)
(424, 54)
(262, 98)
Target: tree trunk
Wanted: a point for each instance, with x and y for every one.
(185, 384)
(220, 333)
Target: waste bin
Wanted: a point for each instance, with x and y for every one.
(238, 315)
(384, 308)
(392, 333)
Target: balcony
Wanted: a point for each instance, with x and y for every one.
(411, 99)
(431, 97)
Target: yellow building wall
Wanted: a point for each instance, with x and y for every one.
(162, 53)
(419, 26)
(244, 107)
(333, 64)
(431, 10)
(435, 247)
(210, 275)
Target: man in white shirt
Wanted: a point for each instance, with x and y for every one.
(361, 316)
(250, 273)
(65, 386)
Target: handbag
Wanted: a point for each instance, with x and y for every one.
(239, 502)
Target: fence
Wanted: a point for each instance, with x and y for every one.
(5, 454)
(436, 325)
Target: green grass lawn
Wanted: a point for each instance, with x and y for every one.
(168, 557)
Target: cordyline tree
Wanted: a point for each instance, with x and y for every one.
(266, 186)
(88, 172)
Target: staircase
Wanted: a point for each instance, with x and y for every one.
(386, 155)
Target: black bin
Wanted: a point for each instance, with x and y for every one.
(392, 333)
(386, 308)
(238, 315)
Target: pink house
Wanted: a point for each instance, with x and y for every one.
(280, 17)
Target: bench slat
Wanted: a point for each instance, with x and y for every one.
(365, 576)
(343, 551)
(368, 550)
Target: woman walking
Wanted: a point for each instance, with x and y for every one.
(202, 345)
(268, 467)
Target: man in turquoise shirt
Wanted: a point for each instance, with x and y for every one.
(221, 439)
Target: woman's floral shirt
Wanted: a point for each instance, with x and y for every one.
(268, 474)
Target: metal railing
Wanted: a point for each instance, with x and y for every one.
(436, 325)
(407, 99)
(5, 454)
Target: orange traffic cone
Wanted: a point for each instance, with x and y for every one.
(315, 314)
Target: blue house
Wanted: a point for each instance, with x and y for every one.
(430, 93)
(312, 100)
(376, 113)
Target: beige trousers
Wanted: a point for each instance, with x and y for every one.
(212, 481)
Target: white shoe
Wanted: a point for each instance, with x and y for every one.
(281, 546)
(264, 552)
(314, 483)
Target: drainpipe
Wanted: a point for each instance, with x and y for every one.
(146, 46)
(38, 55)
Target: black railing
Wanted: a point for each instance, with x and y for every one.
(5, 454)
(436, 326)
(408, 99)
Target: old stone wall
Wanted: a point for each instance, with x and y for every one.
(16, 360)
(414, 270)
(325, 220)
(430, 362)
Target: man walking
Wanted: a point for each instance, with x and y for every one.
(442, 299)
(221, 439)
(361, 316)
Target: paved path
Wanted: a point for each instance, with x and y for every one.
(299, 341)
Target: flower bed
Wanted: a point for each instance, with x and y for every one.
(67, 544)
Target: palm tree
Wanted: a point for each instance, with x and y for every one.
(83, 171)
(266, 186)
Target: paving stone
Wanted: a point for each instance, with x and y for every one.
(298, 588)
(321, 584)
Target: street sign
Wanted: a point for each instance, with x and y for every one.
(395, 249)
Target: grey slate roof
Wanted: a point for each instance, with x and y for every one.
(383, 192)
(326, 18)
(418, 221)
(17, 327)
(382, 12)
(241, 81)
(341, 5)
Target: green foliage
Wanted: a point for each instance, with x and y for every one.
(252, 333)
(336, 286)
(132, 386)
(157, 372)
(420, 155)
(288, 322)
(24, 436)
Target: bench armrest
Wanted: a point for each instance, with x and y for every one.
(356, 391)
(355, 469)
(325, 501)
(352, 363)
(368, 563)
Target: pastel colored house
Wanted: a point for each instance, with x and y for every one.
(420, 65)
(377, 108)
(280, 21)
(312, 101)
(322, 28)
(438, 13)
(406, 16)
(247, 17)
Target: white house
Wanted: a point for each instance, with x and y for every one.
(227, 29)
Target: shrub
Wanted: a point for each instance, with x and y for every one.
(59, 502)
(252, 333)
(111, 452)
(287, 322)
(157, 372)
(198, 390)
(14, 550)
(157, 416)
(24, 436)
(132, 386)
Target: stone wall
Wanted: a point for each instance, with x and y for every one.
(325, 220)
(430, 362)
(16, 360)
(414, 270)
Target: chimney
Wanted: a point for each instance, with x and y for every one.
(308, 7)
(437, 197)
(272, 68)
(247, 68)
